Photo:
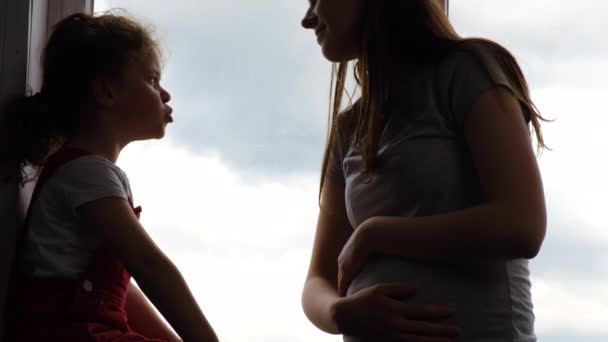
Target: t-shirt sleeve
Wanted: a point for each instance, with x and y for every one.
(474, 69)
(88, 179)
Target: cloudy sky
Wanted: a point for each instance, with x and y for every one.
(231, 192)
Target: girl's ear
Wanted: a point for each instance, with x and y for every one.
(103, 92)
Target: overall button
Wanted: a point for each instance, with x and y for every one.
(87, 285)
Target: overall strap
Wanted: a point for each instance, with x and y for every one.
(54, 162)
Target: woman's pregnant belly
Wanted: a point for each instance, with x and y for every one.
(479, 293)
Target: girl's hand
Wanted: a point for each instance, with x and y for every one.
(375, 314)
(354, 255)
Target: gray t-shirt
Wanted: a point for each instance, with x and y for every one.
(425, 168)
(57, 245)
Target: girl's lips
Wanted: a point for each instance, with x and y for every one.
(168, 115)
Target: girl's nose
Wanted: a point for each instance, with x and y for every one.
(165, 96)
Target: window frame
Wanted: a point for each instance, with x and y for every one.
(23, 29)
(14, 27)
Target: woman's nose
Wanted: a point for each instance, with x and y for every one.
(310, 20)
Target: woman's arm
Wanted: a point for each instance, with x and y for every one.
(320, 292)
(116, 224)
(370, 314)
(511, 222)
(144, 319)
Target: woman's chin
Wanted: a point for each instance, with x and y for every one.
(335, 55)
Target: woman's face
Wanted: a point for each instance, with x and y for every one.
(337, 25)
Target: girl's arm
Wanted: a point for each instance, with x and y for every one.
(144, 319)
(511, 223)
(116, 224)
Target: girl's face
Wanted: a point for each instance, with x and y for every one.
(337, 25)
(141, 105)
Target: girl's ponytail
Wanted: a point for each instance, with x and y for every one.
(27, 134)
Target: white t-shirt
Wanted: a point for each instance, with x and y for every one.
(57, 245)
(425, 168)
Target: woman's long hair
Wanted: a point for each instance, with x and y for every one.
(395, 34)
(79, 49)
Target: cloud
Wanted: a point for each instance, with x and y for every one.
(250, 86)
(552, 30)
(243, 82)
(558, 43)
(198, 201)
(252, 298)
(571, 257)
(244, 248)
(568, 307)
(574, 172)
(565, 337)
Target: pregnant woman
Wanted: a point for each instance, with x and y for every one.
(431, 200)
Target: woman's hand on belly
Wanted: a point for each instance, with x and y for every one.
(353, 257)
(378, 313)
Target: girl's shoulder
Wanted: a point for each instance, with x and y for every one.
(90, 166)
(90, 177)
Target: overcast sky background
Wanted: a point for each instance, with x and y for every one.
(231, 192)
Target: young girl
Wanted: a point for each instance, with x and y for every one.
(81, 240)
(434, 169)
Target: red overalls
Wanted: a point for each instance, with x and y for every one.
(88, 309)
